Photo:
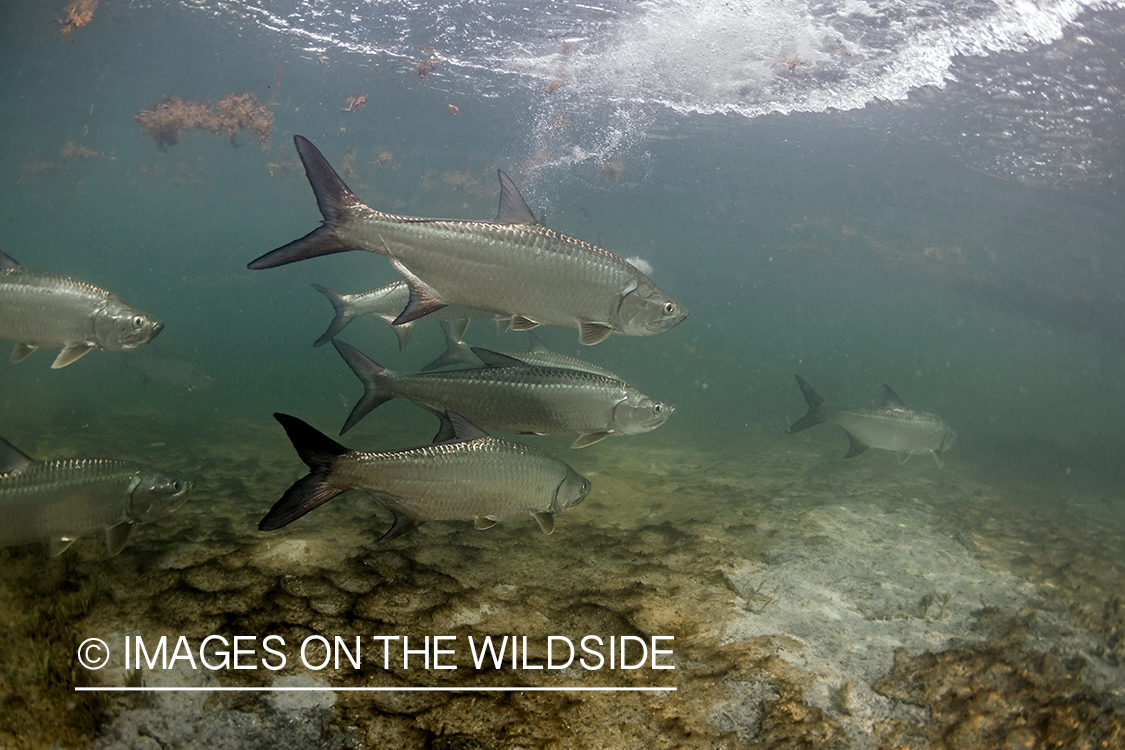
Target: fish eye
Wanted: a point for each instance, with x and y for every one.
(176, 486)
(138, 321)
(669, 308)
(658, 407)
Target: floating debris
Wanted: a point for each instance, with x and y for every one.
(234, 112)
(77, 152)
(383, 158)
(423, 67)
(562, 69)
(78, 14)
(355, 103)
(611, 168)
(789, 62)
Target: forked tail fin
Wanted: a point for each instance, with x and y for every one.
(335, 201)
(319, 452)
(815, 402)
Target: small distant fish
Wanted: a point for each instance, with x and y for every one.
(458, 352)
(46, 310)
(384, 303)
(892, 427)
(510, 395)
(60, 501)
(470, 477)
(164, 366)
(512, 266)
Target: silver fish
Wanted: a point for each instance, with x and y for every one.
(384, 303)
(892, 427)
(472, 476)
(46, 310)
(163, 365)
(458, 352)
(525, 273)
(60, 501)
(510, 395)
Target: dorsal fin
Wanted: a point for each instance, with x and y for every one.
(534, 344)
(463, 429)
(891, 399)
(12, 458)
(513, 208)
(497, 359)
(7, 261)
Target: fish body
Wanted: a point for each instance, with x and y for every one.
(60, 501)
(470, 477)
(162, 365)
(510, 395)
(384, 303)
(892, 427)
(512, 266)
(46, 310)
(459, 352)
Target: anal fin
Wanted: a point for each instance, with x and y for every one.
(856, 446)
(403, 523)
(423, 300)
(59, 545)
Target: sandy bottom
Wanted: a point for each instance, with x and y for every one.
(811, 601)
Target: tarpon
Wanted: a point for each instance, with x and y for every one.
(46, 310)
(459, 352)
(470, 477)
(526, 274)
(892, 427)
(161, 364)
(62, 500)
(385, 303)
(511, 395)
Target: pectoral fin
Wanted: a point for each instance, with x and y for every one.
(856, 447)
(546, 520)
(484, 522)
(593, 333)
(72, 353)
(903, 457)
(20, 352)
(116, 536)
(939, 459)
(590, 439)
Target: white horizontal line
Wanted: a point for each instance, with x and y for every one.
(278, 689)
